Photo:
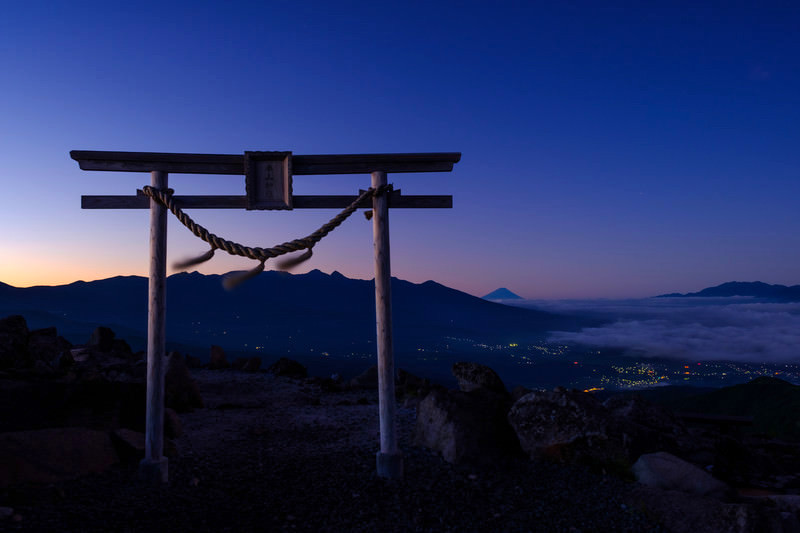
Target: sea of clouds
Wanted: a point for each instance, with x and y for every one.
(700, 329)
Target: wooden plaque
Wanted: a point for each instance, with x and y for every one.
(268, 180)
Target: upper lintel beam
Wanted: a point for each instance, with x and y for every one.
(234, 164)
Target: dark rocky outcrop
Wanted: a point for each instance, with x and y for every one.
(180, 390)
(47, 346)
(172, 424)
(130, 445)
(640, 427)
(567, 426)
(14, 342)
(411, 389)
(467, 425)
(367, 380)
(472, 376)
(77, 395)
(218, 360)
(519, 391)
(288, 368)
(102, 339)
(51, 455)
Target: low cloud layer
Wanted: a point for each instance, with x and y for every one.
(689, 329)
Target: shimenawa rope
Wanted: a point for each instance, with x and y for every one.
(164, 197)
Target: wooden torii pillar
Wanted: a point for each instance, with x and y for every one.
(268, 186)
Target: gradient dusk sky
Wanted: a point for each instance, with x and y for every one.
(607, 151)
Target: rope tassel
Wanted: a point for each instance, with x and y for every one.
(234, 280)
(196, 261)
(291, 262)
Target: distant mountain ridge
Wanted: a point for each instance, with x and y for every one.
(502, 294)
(277, 312)
(756, 289)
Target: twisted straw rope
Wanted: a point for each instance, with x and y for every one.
(164, 197)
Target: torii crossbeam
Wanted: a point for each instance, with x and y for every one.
(268, 186)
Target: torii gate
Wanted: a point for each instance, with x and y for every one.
(268, 185)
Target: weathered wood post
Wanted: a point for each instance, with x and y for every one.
(154, 466)
(389, 459)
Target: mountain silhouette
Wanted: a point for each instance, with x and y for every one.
(502, 294)
(756, 289)
(277, 312)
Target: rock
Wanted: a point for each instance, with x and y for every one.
(410, 388)
(665, 471)
(366, 380)
(45, 345)
(560, 424)
(52, 455)
(472, 376)
(465, 426)
(64, 361)
(172, 424)
(14, 342)
(130, 445)
(239, 363)
(102, 339)
(120, 348)
(288, 368)
(180, 390)
(218, 359)
(519, 391)
(642, 427)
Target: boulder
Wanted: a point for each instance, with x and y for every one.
(288, 368)
(410, 388)
(568, 426)
(38, 404)
(519, 391)
(367, 380)
(45, 345)
(218, 358)
(52, 455)
(180, 390)
(130, 445)
(14, 342)
(465, 426)
(665, 471)
(102, 339)
(643, 427)
(172, 424)
(472, 376)
(120, 348)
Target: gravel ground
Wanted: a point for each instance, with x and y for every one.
(273, 454)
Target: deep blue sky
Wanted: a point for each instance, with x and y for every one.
(607, 152)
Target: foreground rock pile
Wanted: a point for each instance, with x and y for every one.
(627, 437)
(274, 449)
(66, 410)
